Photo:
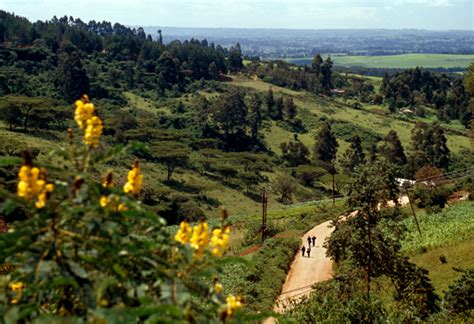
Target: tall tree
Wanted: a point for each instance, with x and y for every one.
(270, 101)
(231, 113)
(71, 77)
(255, 116)
(441, 153)
(325, 147)
(235, 58)
(326, 72)
(354, 155)
(316, 64)
(290, 109)
(392, 149)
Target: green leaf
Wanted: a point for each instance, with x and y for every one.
(9, 161)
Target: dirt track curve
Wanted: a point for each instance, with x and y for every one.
(305, 272)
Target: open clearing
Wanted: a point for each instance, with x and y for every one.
(402, 61)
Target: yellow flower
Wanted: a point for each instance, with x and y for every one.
(219, 241)
(32, 184)
(103, 201)
(93, 131)
(233, 304)
(17, 288)
(184, 234)
(134, 180)
(218, 288)
(84, 111)
(113, 202)
(200, 238)
(44, 195)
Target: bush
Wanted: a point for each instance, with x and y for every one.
(460, 296)
(90, 252)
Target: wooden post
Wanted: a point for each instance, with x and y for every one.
(413, 211)
(333, 188)
(264, 214)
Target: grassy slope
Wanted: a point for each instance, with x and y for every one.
(322, 107)
(399, 61)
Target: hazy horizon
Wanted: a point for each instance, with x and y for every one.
(432, 15)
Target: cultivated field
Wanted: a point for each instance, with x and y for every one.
(403, 61)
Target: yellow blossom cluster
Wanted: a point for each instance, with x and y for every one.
(93, 131)
(87, 119)
(233, 303)
(218, 288)
(219, 240)
(184, 234)
(199, 238)
(134, 180)
(113, 202)
(17, 288)
(32, 185)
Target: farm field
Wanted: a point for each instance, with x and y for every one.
(402, 61)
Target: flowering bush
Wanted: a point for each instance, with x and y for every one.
(90, 251)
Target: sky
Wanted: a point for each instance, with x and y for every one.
(295, 14)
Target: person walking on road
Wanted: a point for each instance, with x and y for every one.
(309, 251)
(302, 250)
(314, 240)
(309, 240)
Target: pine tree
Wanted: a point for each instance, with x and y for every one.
(354, 155)
(316, 64)
(325, 147)
(440, 148)
(255, 116)
(290, 109)
(270, 100)
(392, 149)
(72, 78)
(277, 112)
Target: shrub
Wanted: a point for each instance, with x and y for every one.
(90, 252)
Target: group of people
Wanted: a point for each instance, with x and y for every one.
(311, 239)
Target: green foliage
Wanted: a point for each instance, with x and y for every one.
(447, 227)
(326, 145)
(268, 272)
(460, 296)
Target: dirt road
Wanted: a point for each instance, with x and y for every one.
(305, 272)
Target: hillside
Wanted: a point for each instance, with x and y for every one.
(146, 181)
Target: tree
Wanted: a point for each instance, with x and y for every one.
(354, 155)
(285, 186)
(71, 77)
(392, 149)
(441, 153)
(235, 58)
(231, 114)
(290, 109)
(171, 154)
(167, 69)
(316, 64)
(325, 147)
(277, 112)
(270, 101)
(326, 72)
(294, 153)
(255, 116)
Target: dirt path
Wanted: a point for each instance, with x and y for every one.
(305, 272)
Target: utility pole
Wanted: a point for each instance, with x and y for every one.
(264, 214)
(413, 210)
